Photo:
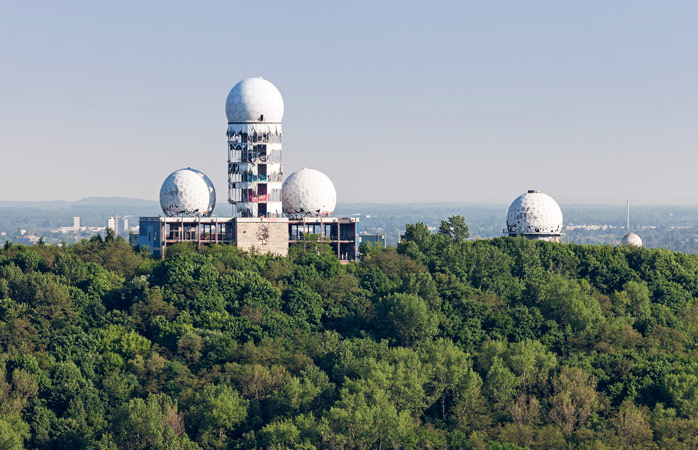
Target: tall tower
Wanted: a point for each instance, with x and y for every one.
(627, 223)
(254, 108)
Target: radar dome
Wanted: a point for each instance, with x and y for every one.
(535, 215)
(187, 192)
(254, 100)
(308, 193)
(631, 240)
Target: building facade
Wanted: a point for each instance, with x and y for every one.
(263, 234)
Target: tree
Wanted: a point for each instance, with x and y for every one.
(153, 423)
(500, 384)
(574, 400)
(365, 418)
(215, 412)
(406, 319)
(530, 362)
(303, 303)
(454, 228)
(682, 389)
(570, 303)
(13, 432)
(301, 392)
(632, 424)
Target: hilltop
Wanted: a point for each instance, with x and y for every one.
(443, 342)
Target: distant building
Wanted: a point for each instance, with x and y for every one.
(373, 238)
(29, 239)
(118, 224)
(75, 228)
(113, 224)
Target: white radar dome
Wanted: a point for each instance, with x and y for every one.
(254, 100)
(308, 193)
(631, 240)
(534, 213)
(187, 192)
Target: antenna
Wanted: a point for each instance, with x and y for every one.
(628, 216)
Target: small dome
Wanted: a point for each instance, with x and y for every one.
(308, 193)
(534, 213)
(254, 100)
(631, 240)
(187, 192)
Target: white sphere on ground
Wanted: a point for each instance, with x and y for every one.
(308, 193)
(534, 213)
(631, 240)
(187, 192)
(254, 100)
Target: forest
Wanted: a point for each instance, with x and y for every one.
(441, 342)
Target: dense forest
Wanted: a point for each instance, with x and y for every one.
(442, 342)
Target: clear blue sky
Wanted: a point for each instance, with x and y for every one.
(592, 102)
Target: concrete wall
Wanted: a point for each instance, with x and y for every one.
(265, 235)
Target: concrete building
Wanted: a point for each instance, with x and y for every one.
(259, 200)
(263, 234)
(342, 233)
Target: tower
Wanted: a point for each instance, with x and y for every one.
(631, 239)
(627, 217)
(254, 109)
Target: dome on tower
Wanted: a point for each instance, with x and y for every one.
(534, 213)
(187, 192)
(631, 240)
(308, 193)
(254, 100)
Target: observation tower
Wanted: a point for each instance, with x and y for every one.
(254, 108)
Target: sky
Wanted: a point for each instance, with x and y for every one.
(468, 101)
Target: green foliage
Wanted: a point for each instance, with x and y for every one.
(442, 342)
(153, 423)
(215, 413)
(406, 319)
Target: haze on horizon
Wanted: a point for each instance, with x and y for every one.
(591, 102)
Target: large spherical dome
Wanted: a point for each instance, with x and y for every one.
(631, 240)
(308, 193)
(254, 100)
(534, 213)
(187, 192)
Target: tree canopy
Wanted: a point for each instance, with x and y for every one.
(442, 342)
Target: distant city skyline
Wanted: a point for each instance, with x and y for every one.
(591, 102)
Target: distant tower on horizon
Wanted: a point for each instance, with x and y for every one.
(631, 239)
(627, 224)
(254, 109)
